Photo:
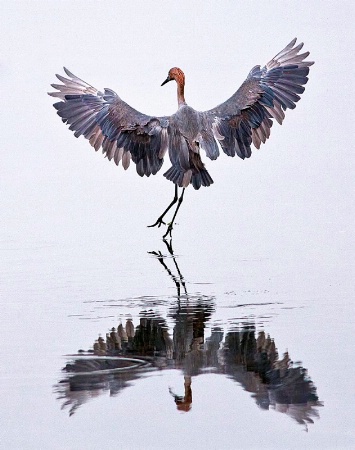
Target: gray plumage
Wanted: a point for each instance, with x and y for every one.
(125, 134)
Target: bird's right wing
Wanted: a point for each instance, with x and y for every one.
(108, 122)
(246, 117)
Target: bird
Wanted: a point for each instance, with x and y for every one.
(125, 134)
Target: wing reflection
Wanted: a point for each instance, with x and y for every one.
(131, 351)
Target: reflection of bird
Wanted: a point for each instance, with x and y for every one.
(126, 134)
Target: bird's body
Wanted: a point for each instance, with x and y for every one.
(125, 134)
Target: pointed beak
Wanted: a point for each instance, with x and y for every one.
(166, 81)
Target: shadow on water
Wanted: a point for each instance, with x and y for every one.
(130, 352)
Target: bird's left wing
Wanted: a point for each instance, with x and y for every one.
(246, 117)
(108, 122)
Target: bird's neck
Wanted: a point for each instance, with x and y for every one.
(180, 94)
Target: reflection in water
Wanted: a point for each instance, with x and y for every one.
(131, 351)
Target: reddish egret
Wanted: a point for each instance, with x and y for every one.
(244, 119)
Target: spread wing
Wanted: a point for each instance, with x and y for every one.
(246, 117)
(108, 122)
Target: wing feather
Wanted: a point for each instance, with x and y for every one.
(111, 124)
(246, 117)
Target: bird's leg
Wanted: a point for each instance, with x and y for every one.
(171, 224)
(160, 220)
(169, 246)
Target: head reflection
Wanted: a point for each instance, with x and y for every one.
(132, 349)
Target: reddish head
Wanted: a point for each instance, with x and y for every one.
(175, 74)
(178, 75)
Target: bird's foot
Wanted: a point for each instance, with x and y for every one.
(158, 223)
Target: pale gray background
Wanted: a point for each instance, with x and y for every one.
(73, 225)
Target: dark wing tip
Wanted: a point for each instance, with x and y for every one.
(70, 74)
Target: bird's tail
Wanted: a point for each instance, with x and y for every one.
(183, 178)
(201, 178)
